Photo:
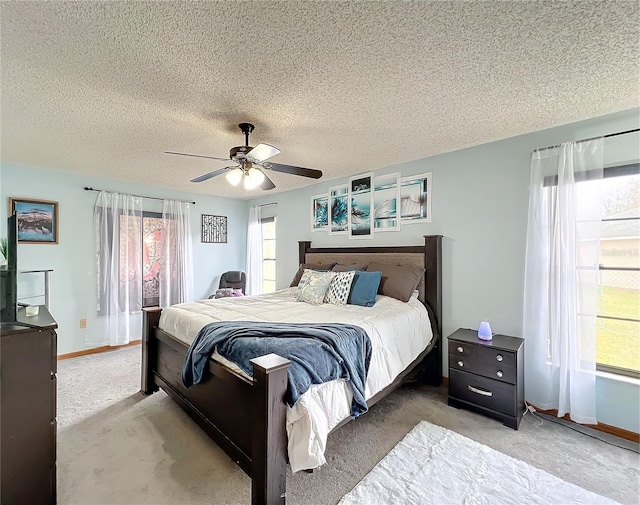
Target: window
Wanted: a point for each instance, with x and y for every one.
(151, 258)
(151, 243)
(268, 255)
(618, 331)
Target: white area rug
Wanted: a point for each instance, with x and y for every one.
(433, 465)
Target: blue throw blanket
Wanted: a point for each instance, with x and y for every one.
(318, 353)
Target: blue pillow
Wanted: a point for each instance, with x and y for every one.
(364, 288)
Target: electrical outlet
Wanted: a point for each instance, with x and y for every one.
(83, 323)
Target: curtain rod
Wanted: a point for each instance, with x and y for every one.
(88, 188)
(592, 138)
(267, 204)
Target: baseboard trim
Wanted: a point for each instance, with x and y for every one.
(605, 428)
(96, 350)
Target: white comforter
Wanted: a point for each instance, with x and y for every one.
(399, 332)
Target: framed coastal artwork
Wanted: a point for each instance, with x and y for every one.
(386, 202)
(37, 220)
(361, 206)
(339, 210)
(415, 199)
(320, 213)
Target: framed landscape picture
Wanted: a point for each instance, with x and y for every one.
(320, 213)
(37, 220)
(386, 202)
(415, 199)
(361, 206)
(339, 210)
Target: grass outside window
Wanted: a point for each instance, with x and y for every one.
(618, 342)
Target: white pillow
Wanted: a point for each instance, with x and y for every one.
(313, 286)
(340, 287)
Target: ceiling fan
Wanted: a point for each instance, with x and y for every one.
(251, 164)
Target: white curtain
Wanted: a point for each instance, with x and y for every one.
(561, 279)
(118, 219)
(176, 273)
(254, 252)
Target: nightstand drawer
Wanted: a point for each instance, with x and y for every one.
(482, 353)
(493, 370)
(488, 393)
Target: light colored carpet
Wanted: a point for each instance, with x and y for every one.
(116, 446)
(433, 465)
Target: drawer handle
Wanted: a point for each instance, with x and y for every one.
(480, 391)
(460, 363)
(460, 349)
(499, 373)
(499, 357)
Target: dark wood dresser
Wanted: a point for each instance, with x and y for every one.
(487, 376)
(28, 410)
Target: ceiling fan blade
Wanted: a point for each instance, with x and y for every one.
(267, 184)
(208, 176)
(289, 169)
(262, 152)
(198, 156)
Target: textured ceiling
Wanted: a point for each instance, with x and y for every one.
(105, 87)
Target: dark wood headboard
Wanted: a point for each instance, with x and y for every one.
(427, 256)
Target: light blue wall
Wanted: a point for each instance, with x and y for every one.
(73, 292)
(480, 201)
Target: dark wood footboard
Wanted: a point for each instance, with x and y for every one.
(245, 418)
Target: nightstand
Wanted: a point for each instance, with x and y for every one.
(487, 376)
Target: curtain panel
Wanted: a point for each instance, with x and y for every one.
(561, 279)
(118, 221)
(176, 274)
(254, 252)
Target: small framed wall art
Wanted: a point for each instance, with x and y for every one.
(320, 213)
(415, 199)
(361, 206)
(38, 220)
(386, 202)
(214, 229)
(339, 210)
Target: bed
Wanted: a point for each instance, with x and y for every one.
(252, 427)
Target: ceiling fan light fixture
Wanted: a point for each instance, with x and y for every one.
(234, 176)
(253, 178)
(245, 157)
